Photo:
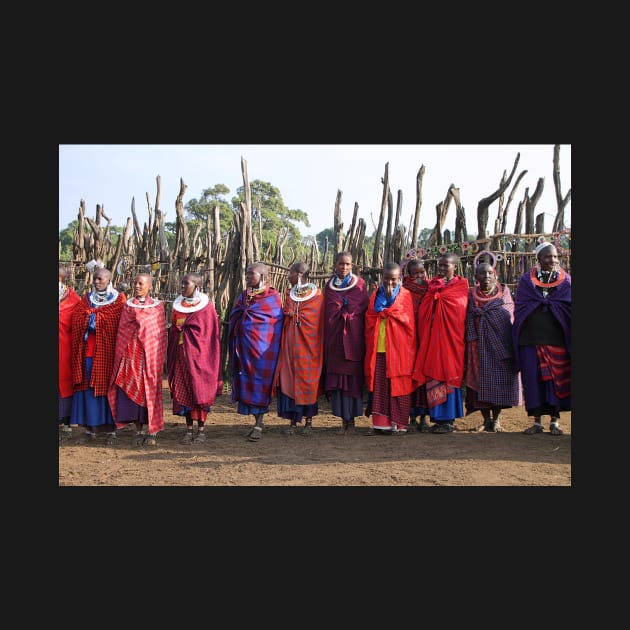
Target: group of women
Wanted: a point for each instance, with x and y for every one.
(405, 351)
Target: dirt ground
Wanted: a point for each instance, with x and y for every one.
(322, 458)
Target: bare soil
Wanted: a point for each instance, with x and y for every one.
(322, 458)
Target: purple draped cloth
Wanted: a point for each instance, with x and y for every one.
(528, 298)
(344, 336)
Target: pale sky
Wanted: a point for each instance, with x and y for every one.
(308, 178)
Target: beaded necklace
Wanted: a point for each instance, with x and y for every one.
(554, 278)
(190, 305)
(102, 298)
(335, 282)
(483, 297)
(63, 291)
(303, 292)
(142, 303)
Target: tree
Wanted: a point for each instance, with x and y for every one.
(270, 212)
(198, 210)
(66, 237)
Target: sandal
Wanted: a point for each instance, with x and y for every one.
(200, 437)
(255, 434)
(497, 428)
(307, 430)
(290, 430)
(138, 440)
(150, 440)
(443, 427)
(425, 427)
(535, 428)
(554, 429)
(111, 440)
(187, 439)
(65, 434)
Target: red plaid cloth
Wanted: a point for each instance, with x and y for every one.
(66, 308)
(107, 318)
(301, 349)
(139, 361)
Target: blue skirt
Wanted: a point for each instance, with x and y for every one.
(89, 410)
(289, 410)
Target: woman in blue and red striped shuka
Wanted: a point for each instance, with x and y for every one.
(254, 335)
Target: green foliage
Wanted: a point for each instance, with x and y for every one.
(66, 239)
(200, 209)
(269, 209)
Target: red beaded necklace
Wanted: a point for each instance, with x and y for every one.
(533, 274)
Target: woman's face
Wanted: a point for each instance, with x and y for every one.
(294, 274)
(141, 286)
(485, 276)
(391, 278)
(343, 266)
(418, 273)
(548, 258)
(188, 287)
(446, 268)
(101, 279)
(253, 277)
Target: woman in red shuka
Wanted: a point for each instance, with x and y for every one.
(390, 343)
(135, 390)
(68, 300)
(441, 344)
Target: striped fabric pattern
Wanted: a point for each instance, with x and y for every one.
(107, 318)
(383, 403)
(555, 366)
(139, 361)
(254, 335)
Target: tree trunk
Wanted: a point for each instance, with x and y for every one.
(558, 223)
(416, 221)
(376, 259)
(484, 204)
